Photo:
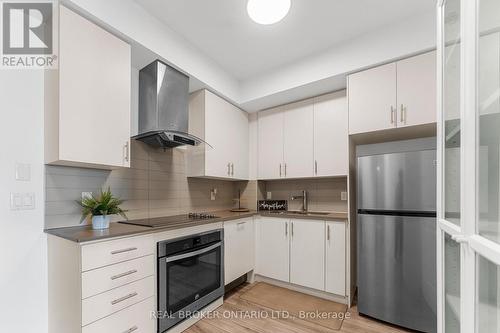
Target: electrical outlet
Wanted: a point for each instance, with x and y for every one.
(22, 201)
(269, 195)
(343, 196)
(213, 194)
(86, 195)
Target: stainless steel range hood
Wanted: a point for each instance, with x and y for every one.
(164, 107)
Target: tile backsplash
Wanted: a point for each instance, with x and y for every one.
(155, 185)
(324, 195)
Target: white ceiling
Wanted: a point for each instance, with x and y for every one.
(222, 30)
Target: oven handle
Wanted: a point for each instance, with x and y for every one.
(195, 253)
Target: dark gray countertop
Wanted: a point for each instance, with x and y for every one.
(85, 233)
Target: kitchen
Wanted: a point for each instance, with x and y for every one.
(327, 185)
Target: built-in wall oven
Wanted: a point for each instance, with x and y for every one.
(190, 276)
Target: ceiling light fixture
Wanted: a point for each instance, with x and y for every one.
(268, 11)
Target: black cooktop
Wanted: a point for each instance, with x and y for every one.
(170, 220)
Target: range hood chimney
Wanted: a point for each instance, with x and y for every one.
(164, 107)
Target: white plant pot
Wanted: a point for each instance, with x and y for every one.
(100, 222)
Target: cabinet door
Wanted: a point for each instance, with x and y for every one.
(218, 113)
(307, 253)
(372, 94)
(239, 244)
(273, 248)
(416, 82)
(271, 144)
(330, 135)
(335, 258)
(240, 151)
(298, 139)
(94, 93)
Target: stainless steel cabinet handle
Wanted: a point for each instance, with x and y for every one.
(240, 223)
(232, 169)
(117, 276)
(124, 298)
(316, 167)
(124, 250)
(127, 157)
(132, 329)
(327, 232)
(229, 169)
(392, 114)
(292, 230)
(280, 169)
(286, 229)
(402, 114)
(285, 169)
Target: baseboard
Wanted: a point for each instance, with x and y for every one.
(304, 290)
(184, 325)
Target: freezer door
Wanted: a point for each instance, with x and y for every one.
(399, 181)
(397, 270)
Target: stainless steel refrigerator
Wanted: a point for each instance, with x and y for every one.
(397, 238)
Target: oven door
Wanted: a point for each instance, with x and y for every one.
(188, 282)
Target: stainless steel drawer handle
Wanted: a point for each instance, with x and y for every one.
(124, 250)
(240, 223)
(124, 298)
(117, 276)
(132, 329)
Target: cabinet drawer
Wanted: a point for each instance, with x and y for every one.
(103, 279)
(134, 319)
(102, 305)
(107, 253)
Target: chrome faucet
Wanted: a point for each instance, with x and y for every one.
(304, 200)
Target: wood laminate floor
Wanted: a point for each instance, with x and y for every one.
(238, 315)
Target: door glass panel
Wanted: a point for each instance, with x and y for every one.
(451, 111)
(488, 296)
(451, 285)
(489, 120)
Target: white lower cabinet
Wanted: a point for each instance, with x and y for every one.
(135, 318)
(307, 253)
(239, 248)
(273, 248)
(335, 258)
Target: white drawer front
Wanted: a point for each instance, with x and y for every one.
(106, 278)
(134, 319)
(107, 253)
(102, 305)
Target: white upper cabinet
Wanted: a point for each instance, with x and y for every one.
(270, 137)
(331, 156)
(307, 253)
(416, 78)
(372, 99)
(225, 128)
(87, 100)
(298, 145)
(398, 94)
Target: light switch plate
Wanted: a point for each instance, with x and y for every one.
(269, 195)
(22, 201)
(343, 196)
(23, 172)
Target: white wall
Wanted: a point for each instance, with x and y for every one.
(23, 257)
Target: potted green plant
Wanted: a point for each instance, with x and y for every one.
(101, 208)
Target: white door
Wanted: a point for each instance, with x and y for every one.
(94, 93)
(273, 248)
(239, 248)
(335, 258)
(307, 253)
(218, 115)
(331, 135)
(416, 92)
(469, 223)
(271, 144)
(372, 99)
